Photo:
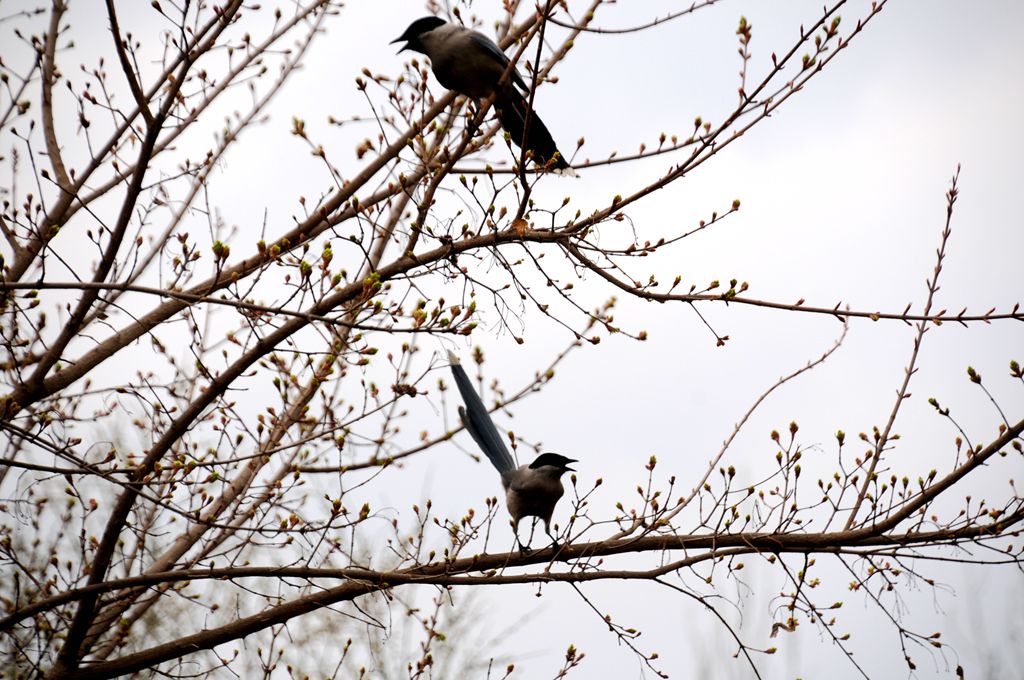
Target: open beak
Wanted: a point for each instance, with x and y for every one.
(404, 47)
(571, 460)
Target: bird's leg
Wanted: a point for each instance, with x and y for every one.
(555, 545)
(471, 109)
(526, 549)
(523, 549)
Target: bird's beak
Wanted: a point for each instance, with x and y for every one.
(571, 460)
(404, 47)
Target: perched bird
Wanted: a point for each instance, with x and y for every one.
(530, 490)
(471, 64)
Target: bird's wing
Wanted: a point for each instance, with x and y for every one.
(478, 421)
(492, 50)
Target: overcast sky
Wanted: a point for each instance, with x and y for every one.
(842, 201)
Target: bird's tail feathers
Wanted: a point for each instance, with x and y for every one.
(478, 421)
(512, 112)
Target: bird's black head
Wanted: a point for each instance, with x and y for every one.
(554, 460)
(415, 30)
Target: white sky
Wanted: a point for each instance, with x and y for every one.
(842, 201)
(842, 197)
